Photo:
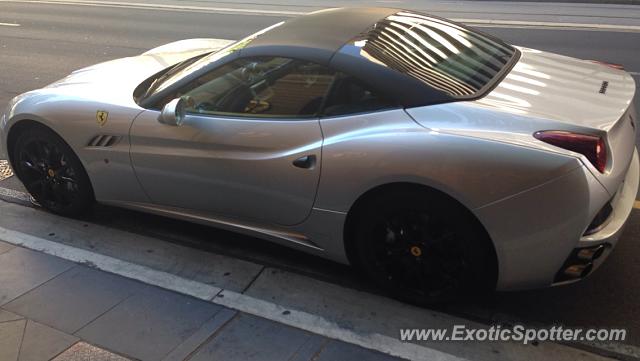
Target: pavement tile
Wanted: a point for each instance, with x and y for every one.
(250, 338)
(22, 270)
(5, 247)
(10, 338)
(74, 299)
(310, 348)
(83, 351)
(337, 350)
(199, 337)
(6, 316)
(41, 343)
(148, 325)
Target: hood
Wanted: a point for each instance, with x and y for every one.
(563, 89)
(115, 80)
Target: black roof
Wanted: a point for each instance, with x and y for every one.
(405, 54)
(367, 43)
(326, 30)
(319, 36)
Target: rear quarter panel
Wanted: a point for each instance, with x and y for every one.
(533, 202)
(361, 152)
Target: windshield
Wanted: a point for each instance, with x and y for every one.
(186, 68)
(447, 56)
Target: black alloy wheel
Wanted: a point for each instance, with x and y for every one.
(51, 172)
(423, 248)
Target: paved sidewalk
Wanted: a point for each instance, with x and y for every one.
(53, 309)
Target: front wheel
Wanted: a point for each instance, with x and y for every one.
(423, 248)
(51, 172)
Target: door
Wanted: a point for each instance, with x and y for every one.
(249, 147)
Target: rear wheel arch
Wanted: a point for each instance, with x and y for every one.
(385, 189)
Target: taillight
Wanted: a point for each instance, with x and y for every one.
(591, 146)
(610, 65)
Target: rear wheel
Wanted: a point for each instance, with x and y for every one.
(51, 172)
(423, 247)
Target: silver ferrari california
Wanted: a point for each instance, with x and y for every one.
(435, 158)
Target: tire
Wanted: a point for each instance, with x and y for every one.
(51, 172)
(423, 247)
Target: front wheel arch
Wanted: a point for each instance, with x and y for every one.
(365, 198)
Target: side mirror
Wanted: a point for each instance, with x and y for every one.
(173, 113)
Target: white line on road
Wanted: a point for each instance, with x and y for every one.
(271, 311)
(163, 7)
(9, 24)
(546, 24)
(248, 11)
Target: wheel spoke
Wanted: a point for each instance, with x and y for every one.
(56, 195)
(36, 184)
(68, 180)
(45, 191)
(27, 165)
(49, 153)
(70, 190)
(41, 152)
(30, 155)
(62, 194)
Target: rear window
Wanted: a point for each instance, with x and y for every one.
(446, 56)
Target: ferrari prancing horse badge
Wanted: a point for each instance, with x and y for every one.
(101, 117)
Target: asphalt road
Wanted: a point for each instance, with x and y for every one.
(53, 40)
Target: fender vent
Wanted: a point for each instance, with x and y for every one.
(104, 141)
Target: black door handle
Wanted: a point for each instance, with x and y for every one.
(307, 162)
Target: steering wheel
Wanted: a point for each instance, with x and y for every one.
(252, 72)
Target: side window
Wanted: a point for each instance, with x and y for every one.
(349, 96)
(261, 87)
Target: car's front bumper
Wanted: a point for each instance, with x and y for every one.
(536, 231)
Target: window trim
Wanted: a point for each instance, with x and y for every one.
(375, 111)
(253, 116)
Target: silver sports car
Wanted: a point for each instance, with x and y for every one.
(435, 158)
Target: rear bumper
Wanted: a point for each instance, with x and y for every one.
(536, 231)
(622, 205)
